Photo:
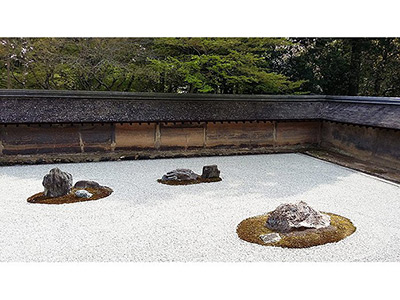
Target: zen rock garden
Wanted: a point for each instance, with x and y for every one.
(59, 189)
(295, 226)
(185, 176)
(290, 225)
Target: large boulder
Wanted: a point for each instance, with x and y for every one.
(180, 175)
(289, 217)
(210, 172)
(57, 183)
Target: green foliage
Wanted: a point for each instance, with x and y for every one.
(380, 69)
(322, 63)
(204, 65)
(218, 65)
(350, 66)
(75, 64)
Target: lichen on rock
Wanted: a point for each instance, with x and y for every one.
(294, 216)
(57, 183)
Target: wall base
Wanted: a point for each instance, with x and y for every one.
(8, 160)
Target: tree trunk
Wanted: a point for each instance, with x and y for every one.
(355, 67)
(8, 74)
(379, 74)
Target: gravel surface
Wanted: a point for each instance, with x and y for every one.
(147, 221)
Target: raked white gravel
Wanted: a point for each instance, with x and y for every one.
(147, 221)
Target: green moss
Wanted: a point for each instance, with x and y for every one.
(187, 182)
(98, 193)
(250, 230)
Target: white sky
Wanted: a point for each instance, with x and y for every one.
(340, 18)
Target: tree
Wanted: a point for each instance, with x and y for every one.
(75, 64)
(12, 54)
(218, 65)
(323, 63)
(356, 66)
(381, 68)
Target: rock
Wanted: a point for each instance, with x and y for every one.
(83, 194)
(270, 237)
(57, 183)
(83, 184)
(210, 172)
(288, 217)
(180, 175)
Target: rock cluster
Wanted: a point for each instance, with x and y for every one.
(180, 175)
(289, 217)
(57, 183)
(58, 189)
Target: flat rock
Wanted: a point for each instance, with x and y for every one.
(83, 194)
(83, 184)
(270, 237)
(210, 171)
(289, 217)
(180, 175)
(57, 183)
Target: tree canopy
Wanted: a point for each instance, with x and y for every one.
(355, 66)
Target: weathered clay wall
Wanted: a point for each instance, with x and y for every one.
(55, 138)
(380, 145)
(135, 136)
(164, 125)
(81, 138)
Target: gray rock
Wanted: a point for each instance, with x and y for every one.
(270, 237)
(83, 184)
(210, 172)
(180, 175)
(83, 194)
(289, 217)
(57, 183)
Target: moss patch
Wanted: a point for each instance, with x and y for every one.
(98, 193)
(187, 182)
(250, 230)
